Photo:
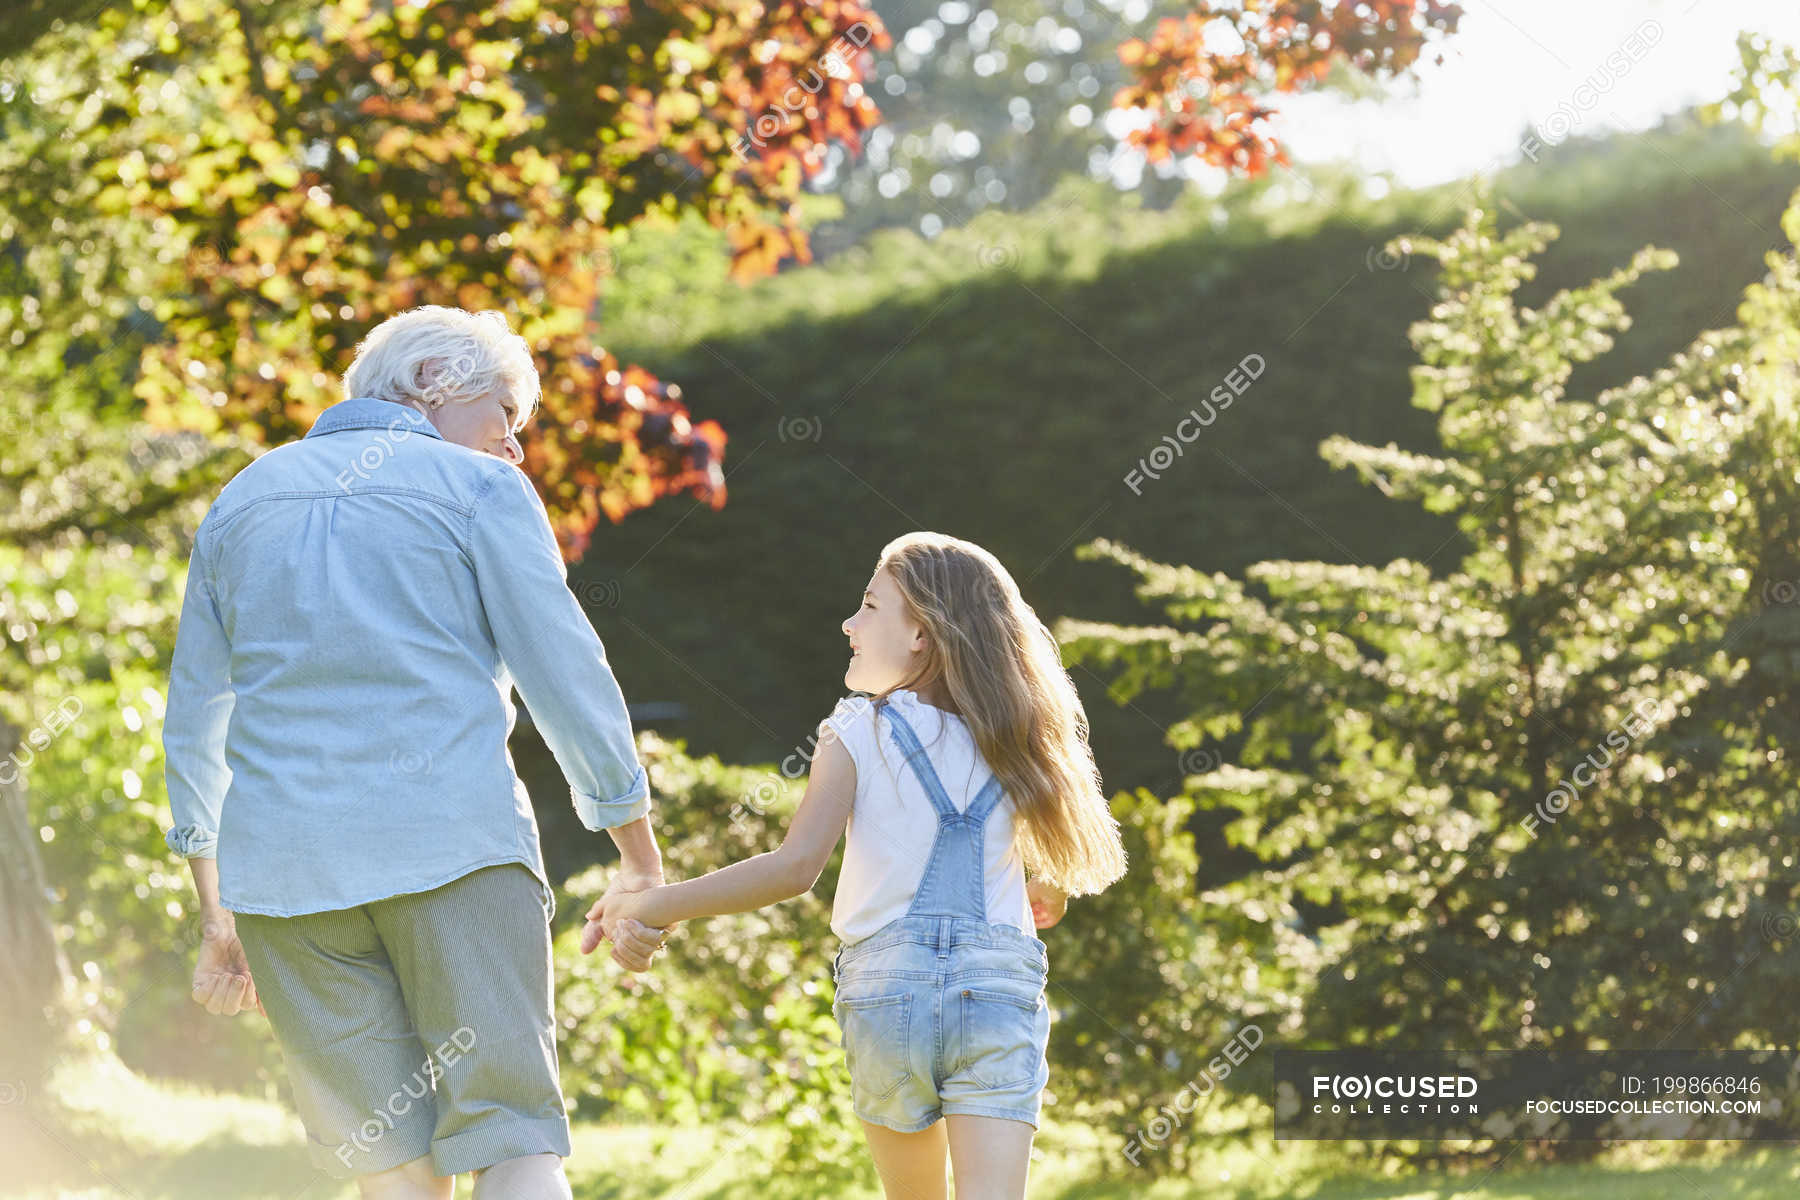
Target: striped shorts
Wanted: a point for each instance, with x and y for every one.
(418, 1024)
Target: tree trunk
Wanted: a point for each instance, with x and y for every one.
(35, 983)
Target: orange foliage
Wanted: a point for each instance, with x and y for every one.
(377, 157)
(1210, 102)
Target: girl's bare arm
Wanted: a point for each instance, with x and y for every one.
(778, 875)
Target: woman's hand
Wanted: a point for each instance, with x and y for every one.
(1047, 903)
(222, 983)
(616, 917)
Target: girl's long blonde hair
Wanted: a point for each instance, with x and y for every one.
(1003, 668)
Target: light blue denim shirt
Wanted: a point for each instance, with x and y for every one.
(359, 605)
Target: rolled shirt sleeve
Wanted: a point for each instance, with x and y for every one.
(197, 715)
(553, 654)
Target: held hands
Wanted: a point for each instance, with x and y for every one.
(614, 918)
(1047, 903)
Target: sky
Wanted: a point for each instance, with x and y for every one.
(1515, 64)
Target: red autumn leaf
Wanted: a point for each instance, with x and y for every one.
(1208, 103)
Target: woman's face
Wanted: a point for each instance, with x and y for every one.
(885, 645)
(484, 424)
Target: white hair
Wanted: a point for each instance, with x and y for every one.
(434, 355)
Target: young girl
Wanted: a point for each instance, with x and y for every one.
(966, 764)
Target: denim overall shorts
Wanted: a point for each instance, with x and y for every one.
(943, 1013)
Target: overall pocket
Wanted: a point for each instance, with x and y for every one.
(999, 1036)
(875, 1032)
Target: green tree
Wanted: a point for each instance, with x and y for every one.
(95, 509)
(1740, 754)
(1474, 791)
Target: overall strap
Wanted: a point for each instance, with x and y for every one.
(953, 883)
(990, 794)
(985, 800)
(927, 775)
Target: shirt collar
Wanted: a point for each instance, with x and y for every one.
(372, 412)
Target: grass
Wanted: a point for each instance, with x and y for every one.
(105, 1133)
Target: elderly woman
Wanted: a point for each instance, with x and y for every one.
(360, 605)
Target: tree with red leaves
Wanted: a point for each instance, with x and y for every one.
(1205, 78)
(319, 168)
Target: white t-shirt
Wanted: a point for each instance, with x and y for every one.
(892, 824)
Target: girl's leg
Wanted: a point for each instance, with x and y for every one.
(911, 1164)
(416, 1180)
(990, 1155)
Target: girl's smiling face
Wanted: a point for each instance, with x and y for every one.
(885, 644)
